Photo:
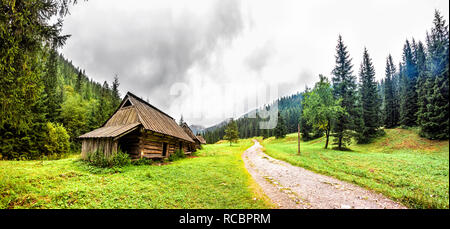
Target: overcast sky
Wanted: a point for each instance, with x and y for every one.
(207, 59)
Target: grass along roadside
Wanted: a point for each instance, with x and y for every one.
(401, 165)
(215, 179)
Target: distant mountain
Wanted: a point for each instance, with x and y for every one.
(212, 128)
(197, 129)
(288, 106)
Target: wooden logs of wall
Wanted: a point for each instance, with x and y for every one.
(151, 144)
(139, 143)
(89, 145)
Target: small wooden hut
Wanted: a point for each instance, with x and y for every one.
(197, 144)
(139, 129)
(201, 139)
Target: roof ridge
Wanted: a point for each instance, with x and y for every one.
(148, 104)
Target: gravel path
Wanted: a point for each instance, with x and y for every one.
(290, 186)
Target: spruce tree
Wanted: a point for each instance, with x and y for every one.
(409, 94)
(423, 87)
(231, 132)
(280, 129)
(390, 104)
(51, 100)
(380, 91)
(78, 83)
(436, 123)
(344, 88)
(103, 110)
(115, 92)
(369, 100)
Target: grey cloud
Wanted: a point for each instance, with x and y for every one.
(305, 76)
(150, 55)
(260, 57)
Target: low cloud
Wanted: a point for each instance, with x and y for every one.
(154, 48)
(260, 57)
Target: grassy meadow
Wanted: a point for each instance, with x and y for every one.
(401, 165)
(214, 178)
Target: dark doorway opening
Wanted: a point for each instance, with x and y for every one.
(164, 153)
(130, 144)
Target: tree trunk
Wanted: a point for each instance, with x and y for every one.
(298, 129)
(327, 133)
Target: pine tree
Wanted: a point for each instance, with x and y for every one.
(390, 106)
(52, 102)
(409, 94)
(435, 121)
(103, 110)
(280, 129)
(369, 100)
(115, 92)
(231, 132)
(181, 121)
(344, 87)
(380, 90)
(78, 83)
(423, 87)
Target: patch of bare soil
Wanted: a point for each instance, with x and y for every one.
(290, 186)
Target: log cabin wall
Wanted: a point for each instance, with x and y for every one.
(107, 145)
(151, 145)
(138, 142)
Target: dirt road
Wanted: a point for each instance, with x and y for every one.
(290, 186)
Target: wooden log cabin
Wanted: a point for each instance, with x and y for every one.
(201, 139)
(191, 134)
(140, 129)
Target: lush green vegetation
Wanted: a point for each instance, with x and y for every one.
(401, 165)
(45, 101)
(215, 178)
(99, 159)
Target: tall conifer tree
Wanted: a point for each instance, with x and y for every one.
(344, 88)
(280, 129)
(369, 100)
(51, 100)
(408, 93)
(436, 120)
(115, 92)
(390, 105)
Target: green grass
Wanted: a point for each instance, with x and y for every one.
(215, 179)
(401, 165)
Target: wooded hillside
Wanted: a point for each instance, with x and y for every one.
(45, 101)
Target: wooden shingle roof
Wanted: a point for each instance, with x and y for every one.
(110, 131)
(189, 131)
(135, 110)
(201, 139)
